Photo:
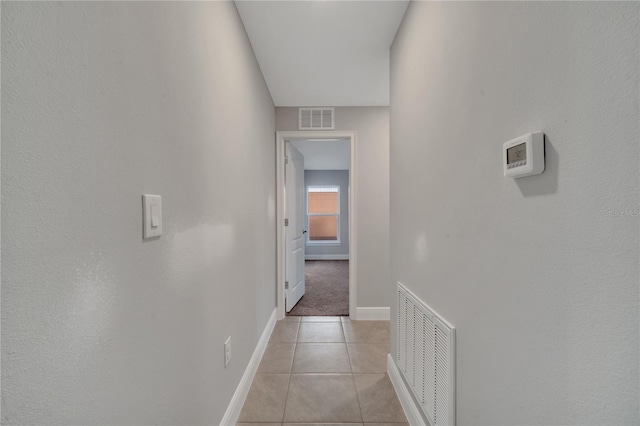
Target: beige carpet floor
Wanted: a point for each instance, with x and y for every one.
(327, 289)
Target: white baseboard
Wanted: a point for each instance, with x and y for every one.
(326, 257)
(237, 401)
(409, 406)
(380, 314)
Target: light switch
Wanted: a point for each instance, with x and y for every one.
(155, 219)
(152, 216)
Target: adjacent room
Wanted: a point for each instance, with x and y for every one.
(326, 219)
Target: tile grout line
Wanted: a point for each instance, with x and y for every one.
(355, 386)
(353, 378)
(295, 349)
(346, 345)
(293, 359)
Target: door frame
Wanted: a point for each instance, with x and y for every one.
(281, 137)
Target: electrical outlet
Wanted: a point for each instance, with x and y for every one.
(227, 351)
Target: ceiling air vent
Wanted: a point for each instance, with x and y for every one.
(316, 119)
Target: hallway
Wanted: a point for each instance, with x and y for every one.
(324, 370)
(142, 212)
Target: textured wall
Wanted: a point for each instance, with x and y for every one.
(101, 103)
(372, 195)
(539, 275)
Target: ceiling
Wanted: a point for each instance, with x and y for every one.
(334, 154)
(324, 53)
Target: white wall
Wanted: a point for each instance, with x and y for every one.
(103, 102)
(539, 275)
(372, 198)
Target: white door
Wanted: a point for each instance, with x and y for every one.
(294, 214)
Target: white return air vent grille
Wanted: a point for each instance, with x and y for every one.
(426, 357)
(316, 118)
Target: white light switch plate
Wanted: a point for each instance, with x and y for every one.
(152, 216)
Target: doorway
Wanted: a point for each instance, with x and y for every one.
(326, 219)
(323, 234)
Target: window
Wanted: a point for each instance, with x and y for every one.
(323, 209)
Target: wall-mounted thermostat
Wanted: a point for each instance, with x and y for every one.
(524, 156)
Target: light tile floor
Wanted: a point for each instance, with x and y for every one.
(324, 370)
